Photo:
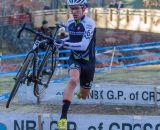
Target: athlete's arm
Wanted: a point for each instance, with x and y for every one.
(83, 45)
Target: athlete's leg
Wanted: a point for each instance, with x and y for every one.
(86, 79)
(71, 85)
(74, 74)
(68, 91)
(83, 93)
(67, 97)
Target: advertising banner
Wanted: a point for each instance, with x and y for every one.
(15, 121)
(109, 94)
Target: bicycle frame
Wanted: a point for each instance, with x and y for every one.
(51, 48)
(35, 59)
(32, 60)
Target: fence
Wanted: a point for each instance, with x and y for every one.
(128, 19)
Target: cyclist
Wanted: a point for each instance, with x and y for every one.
(81, 42)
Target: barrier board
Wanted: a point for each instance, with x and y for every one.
(15, 121)
(110, 94)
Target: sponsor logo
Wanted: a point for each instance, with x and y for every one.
(3, 126)
(102, 124)
(76, 33)
(78, 28)
(131, 126)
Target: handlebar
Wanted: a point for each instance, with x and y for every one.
(58, 26)
(20, 31)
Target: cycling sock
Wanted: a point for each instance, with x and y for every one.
(65, 107)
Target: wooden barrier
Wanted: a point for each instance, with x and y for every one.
(128, 19)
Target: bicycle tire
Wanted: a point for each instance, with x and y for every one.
(18, 80)
(37, 91)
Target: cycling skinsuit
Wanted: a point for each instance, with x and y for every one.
(81, 42)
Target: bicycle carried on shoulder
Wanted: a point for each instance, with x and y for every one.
(31, 72)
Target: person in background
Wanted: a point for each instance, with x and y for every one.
(62, 35)
(45, 30)
(112, 4)
(119, 5)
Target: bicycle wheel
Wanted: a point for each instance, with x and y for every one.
(45, 72)
(21, 76)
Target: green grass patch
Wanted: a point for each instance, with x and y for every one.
(137, 75)
(146, 75)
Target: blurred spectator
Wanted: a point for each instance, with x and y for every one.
(119, 5)
(45, 30)
(46, 7)
(112, 4)
(62, 35)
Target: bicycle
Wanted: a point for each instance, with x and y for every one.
(31, 70)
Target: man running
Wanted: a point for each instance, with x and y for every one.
(81, 42)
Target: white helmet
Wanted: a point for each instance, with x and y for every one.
(76, 2)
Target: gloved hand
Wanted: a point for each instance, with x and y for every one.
(59, 43)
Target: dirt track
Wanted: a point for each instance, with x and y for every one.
(81, 109)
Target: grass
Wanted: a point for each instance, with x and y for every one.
(138, 75)
(145, 75)
(6, 83)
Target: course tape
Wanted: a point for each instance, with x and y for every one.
(99, 60)
(103, 59)
(127, 57)
(129, 65)
(129, 45)
(4, 96)
(119, 47)
(129, 49)
(126, 65)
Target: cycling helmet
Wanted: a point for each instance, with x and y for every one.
(76, 2)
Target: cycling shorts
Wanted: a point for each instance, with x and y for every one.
(86, 69)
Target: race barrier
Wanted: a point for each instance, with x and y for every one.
(108, 94)
(29, 121)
